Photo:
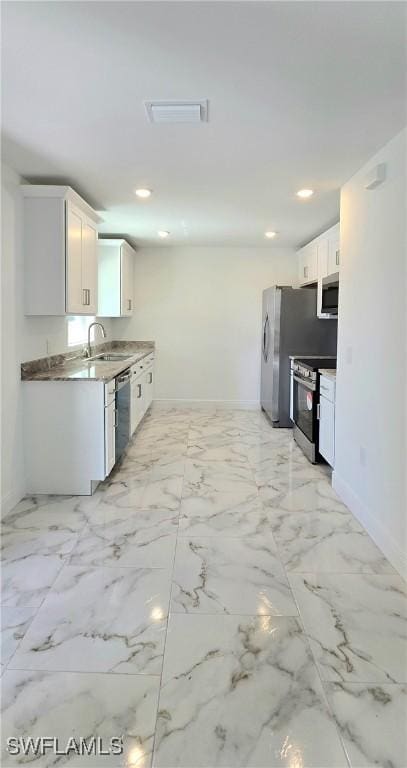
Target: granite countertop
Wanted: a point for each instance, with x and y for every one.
(69, 367)
(331, 372)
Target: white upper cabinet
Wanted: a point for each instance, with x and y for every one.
(308, 264)
(333, 250)
(319, 258)
(323, 250)
(116, 278)
(60, 252)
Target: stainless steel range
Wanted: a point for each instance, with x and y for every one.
(306, 402)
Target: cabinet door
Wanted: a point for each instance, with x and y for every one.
(312, 262)
(126, 297)
(89, 268)
(136, 403)
(322, 250)
(110, 437)
(303, 266)
(327, 430)
(334, 254)
(148, 389)
(75, 298)
(308, 264)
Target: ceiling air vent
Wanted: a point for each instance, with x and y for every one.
(177, 111)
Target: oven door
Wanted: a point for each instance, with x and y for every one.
(305, 399)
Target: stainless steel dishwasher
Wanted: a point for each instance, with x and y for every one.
(122, 383)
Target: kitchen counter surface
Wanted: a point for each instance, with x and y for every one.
(68, 368)
(310, 357)
(331, 372)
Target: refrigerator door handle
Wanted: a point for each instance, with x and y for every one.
(266, 338)
(263, 338)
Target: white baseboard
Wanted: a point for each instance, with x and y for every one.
(385, 541)
(247, 405)
(9, 501)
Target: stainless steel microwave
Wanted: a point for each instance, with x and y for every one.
(330, 295)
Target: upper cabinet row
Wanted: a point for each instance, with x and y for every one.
(320, 257)
(67, 271)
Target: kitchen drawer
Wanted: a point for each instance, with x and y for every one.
(327, 387)
(110, 390)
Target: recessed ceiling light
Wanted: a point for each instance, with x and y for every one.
(304, 193)
(162, 233)
(143, 192)
(270, 234)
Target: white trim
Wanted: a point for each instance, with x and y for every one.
(375, 528)
(9, 500)
(63, 192)
(248, 405)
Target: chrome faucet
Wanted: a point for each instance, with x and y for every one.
(88, 348)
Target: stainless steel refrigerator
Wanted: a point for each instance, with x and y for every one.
(290, 326)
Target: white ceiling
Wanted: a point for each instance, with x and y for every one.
(300, 94)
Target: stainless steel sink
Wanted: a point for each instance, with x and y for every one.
(111, 357)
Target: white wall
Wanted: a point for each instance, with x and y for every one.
(23, 338)
(371, 461)
(202, 306)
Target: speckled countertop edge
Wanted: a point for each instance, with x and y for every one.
(73, 367)
(331, 372)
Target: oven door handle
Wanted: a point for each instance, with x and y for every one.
(311, 387)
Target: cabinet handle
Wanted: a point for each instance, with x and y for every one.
(139, 390)
(129, 303)
(337, 258)
(84, 296)
(116, 423)
(318, 411)
(150, 381)
(88, 297)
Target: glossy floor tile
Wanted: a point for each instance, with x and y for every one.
(215, 578)
(357, 625)
(61, 704)
(242, 691)
(371, 721)
(127, 538)
(99, 620)
(230, 575)
(14, 625)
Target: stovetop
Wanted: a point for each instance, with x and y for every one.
(313, 363)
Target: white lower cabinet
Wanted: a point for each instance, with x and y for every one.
(142, 385)
(136, 403)
(327, 420)
(110, 437)
(64, 436)
(70, 430)
(148, 388)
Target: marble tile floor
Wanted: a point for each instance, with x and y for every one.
(214, 603)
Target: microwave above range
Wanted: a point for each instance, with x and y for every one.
(330, 295)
